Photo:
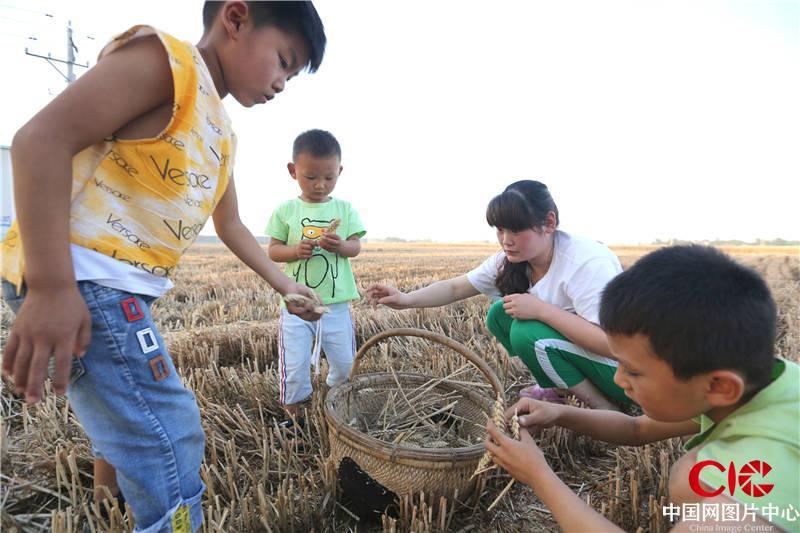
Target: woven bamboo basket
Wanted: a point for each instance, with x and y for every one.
(402, 468)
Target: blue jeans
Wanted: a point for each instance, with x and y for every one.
(139, 416)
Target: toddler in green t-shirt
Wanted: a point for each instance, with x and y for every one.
(316, 235)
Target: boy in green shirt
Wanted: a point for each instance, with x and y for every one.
(316, 235)
(693, 332)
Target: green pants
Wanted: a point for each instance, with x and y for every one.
(552, 359)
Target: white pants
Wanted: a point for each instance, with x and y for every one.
(295, 345)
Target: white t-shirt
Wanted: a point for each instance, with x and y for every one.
(109, 272)
(578, 273)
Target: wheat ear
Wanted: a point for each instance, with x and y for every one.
(515, 434)
(485, 464)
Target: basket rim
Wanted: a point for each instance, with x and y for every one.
(376, 446)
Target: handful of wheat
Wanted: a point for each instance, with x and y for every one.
(300, 299)
(515, 434)
(331, 229)
(332, 226)
(497, 417)
(484, 464)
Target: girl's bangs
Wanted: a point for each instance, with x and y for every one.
(508, 210)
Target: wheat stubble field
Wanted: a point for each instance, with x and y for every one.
(220, 322)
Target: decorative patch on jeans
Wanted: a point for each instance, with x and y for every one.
(131, 309)
(180, 520)
(159, 367)
(147, 340)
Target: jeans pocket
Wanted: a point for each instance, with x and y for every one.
(11, 297)
(76, 371)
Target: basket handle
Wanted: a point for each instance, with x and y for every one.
(457, 347)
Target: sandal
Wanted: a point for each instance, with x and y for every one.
(536, 392)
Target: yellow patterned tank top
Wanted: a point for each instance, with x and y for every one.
(145, 201)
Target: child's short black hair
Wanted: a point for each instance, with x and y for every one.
(317, 143)
(295, 16)
(700, 309)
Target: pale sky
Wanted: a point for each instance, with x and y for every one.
(646, 119)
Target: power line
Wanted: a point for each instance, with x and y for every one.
(69, 77)
(17, 8)
(21, 36)
(16, 22)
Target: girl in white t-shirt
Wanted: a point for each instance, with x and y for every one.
(547, 286)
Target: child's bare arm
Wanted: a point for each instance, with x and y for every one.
(351, 247)
(281, 252)
(122, 87)
(241, 242)
(608, 426)
(573, 327)
(525, 462)
(618, 428)
(577, 329)
(434, 295)
(345, 248)
(570, 511)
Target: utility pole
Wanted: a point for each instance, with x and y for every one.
(69, 77)
(70, 53)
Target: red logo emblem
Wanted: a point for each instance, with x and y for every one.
(131, 309)
(743, 478)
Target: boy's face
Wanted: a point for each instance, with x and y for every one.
(259, 62)
(317, 176)
(650, 382)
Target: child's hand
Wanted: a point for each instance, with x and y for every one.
(386, 295)
(306, 312)
(54, 322)
(534, 415)
(330, 242)
(305, 249)
(523, 306)
(522, 459)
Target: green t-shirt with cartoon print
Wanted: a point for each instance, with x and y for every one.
(327, 273)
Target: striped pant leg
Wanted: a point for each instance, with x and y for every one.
(338, 342)
(499, 324)
(295, 342)
(555, 361)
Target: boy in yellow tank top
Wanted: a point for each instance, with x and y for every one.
(114, 180)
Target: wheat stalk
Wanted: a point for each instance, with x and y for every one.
(332, 226)
(485, 464)
(300, 299)
(515, 434)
